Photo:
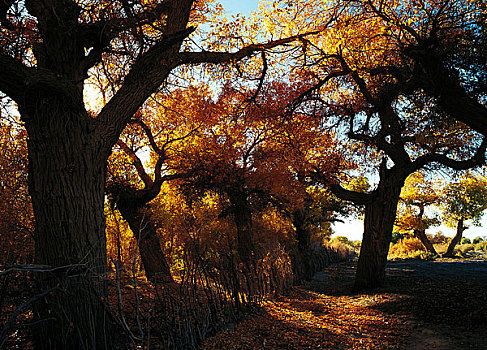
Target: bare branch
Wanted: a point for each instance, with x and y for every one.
(355, 197)
(477, 160)
(226, 57)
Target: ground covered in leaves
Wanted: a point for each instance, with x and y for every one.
(424, 305)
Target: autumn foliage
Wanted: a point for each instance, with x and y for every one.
(165, 168)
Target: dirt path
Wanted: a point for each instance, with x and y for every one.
(424, 305)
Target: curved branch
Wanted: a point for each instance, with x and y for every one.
(226, 57)
(477, 160)
(136, 163)
(13, 78)
(355, 197)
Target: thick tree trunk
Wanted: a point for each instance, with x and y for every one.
(425, 241)
(66, 181)
(380, 213)
(155, 264)
(243, 221)
(458, 237)
(301, 258)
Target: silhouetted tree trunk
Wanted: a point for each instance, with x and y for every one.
(421, 234)
(142, 225)
(301, 257)
(66, 183)
(458, 237)
(380, 214)
(243, 221)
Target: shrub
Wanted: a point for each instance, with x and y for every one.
(343, 250)
(477, 240)
(396, 237)
(466, 247)
(356, 244)
(409, 247)
(439, 238)
(465, 240)
(341, 239)
(481, 246)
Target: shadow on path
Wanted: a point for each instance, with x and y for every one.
(424, 305)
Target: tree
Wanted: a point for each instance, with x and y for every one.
(47, 52)
(444, 42)
(362, 84)
(252, 157)
(464, 200)
(165, 122)
(418, 193)
(405, 147)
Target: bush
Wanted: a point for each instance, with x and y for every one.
(477, 240)
(466, 247)
(341, 239)
(341, 249)
(439, 238)
(396, 237)
(465, 240)
(481, 246)
(356, 244)
(409, 247)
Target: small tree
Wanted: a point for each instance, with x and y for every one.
(464, 200)
(418, 193)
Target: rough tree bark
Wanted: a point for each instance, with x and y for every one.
(66, 182)
(144, 229)
(458, 237)
(380, 214)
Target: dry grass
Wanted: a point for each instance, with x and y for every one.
(409, 247)
(341, 249)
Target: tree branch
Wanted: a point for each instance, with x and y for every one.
(136, 163)
(13, 77)
(226, 57)
(355, 197)
(477, 160)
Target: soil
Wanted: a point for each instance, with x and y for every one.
(438, 304)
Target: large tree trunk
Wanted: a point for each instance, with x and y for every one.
(66, 182)
(301, 257)
(425, 241)
(243, 221)
(380, 213)
(458, 237)
(140, 221)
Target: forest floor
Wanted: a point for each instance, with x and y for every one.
(438, 304)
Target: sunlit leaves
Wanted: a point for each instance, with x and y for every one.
(465, 199)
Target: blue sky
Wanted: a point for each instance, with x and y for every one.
(239, 6)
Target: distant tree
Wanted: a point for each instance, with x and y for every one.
(465, 199)
(418, 193)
